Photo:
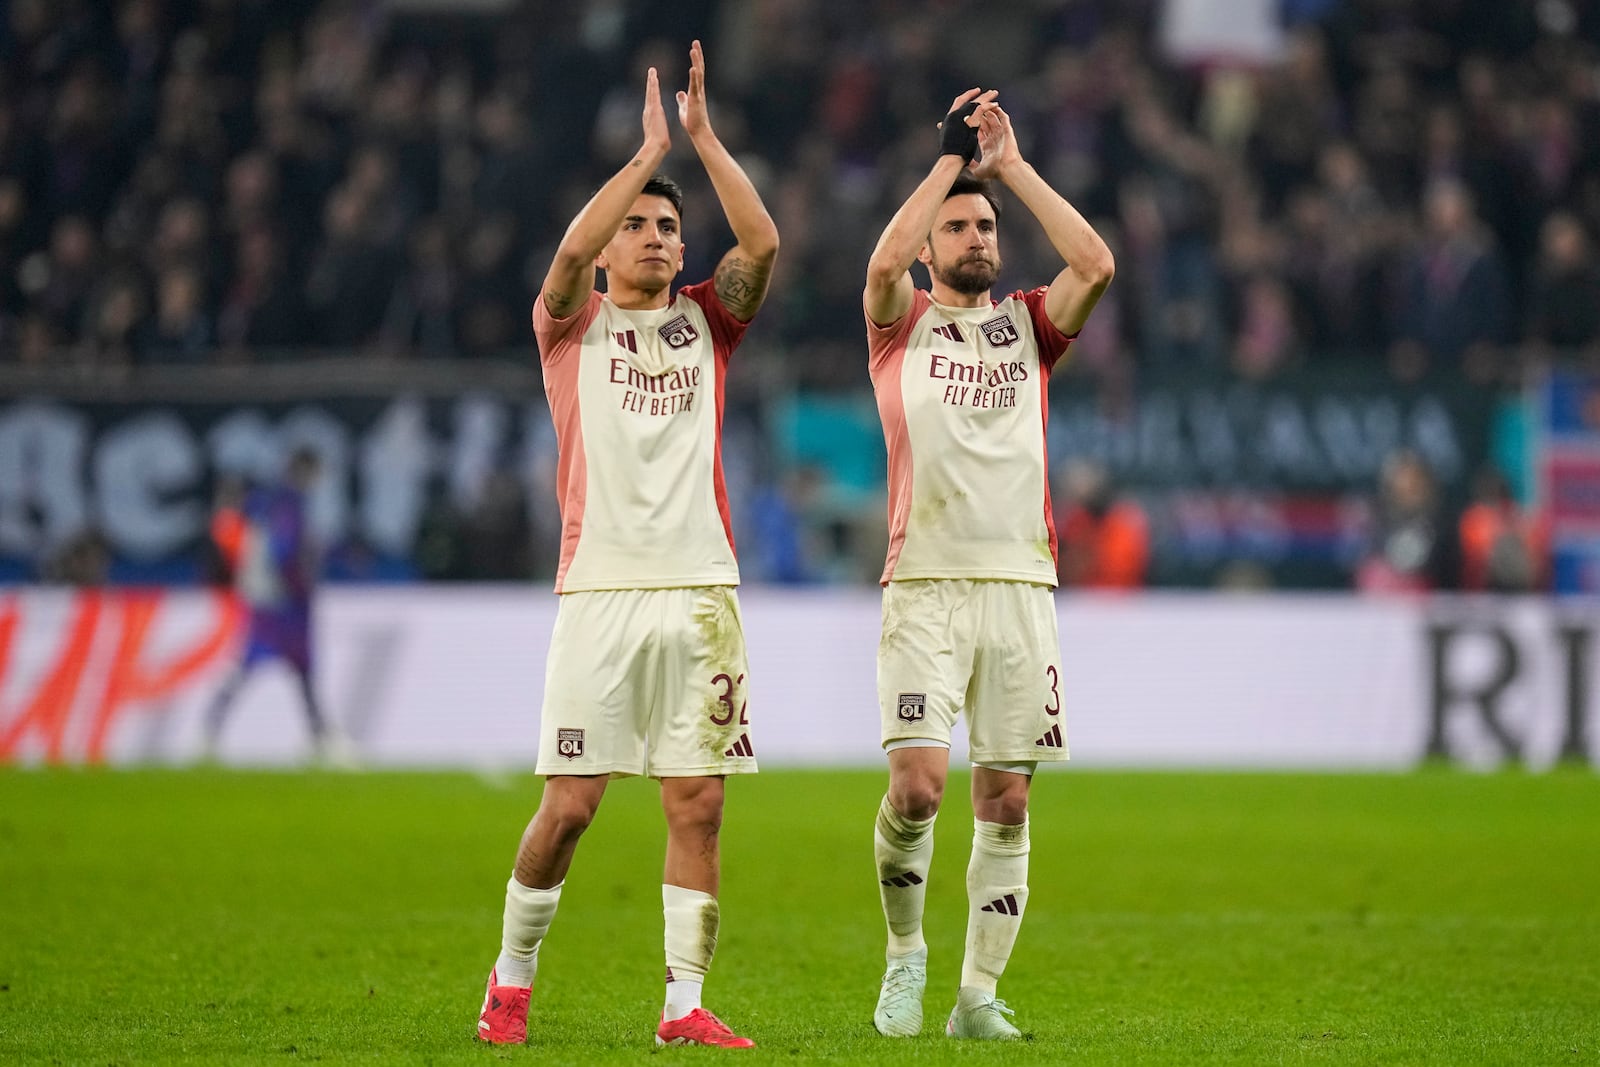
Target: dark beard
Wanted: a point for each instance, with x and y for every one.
(971, 277)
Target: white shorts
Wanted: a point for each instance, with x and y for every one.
(986, 648)
(647, 681)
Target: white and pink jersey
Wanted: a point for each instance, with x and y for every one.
(636, 397)
(962, 393)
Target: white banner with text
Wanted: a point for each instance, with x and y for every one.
(452, 677)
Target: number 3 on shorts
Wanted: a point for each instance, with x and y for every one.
(730, 687)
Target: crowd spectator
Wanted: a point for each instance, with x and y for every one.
(1292, 185)
(1453, 294)
(1410, 547)
(335, 175)
(1564, 304)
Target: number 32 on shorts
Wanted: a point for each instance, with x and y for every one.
(731, 687)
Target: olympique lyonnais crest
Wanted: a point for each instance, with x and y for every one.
(1000, 332)
(913, 706)
(569, 743)
(679, 333)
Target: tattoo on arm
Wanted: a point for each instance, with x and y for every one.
(741, 285)
(559, 305)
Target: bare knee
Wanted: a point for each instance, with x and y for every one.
(1007, 811)
(565, 814)
(1000, 797)
(916, 796)
(693, 804)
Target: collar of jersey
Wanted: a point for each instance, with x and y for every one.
(951, 311)
(644, 316)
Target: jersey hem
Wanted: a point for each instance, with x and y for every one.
(977, 576)
(623, 584)
(567, 770)
(1054, 755)
(889, 739)
(713, 771)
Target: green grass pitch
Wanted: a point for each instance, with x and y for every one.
(211, 917)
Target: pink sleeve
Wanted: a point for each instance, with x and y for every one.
(1052, 342)
(726, 331)
(556, 337)
(884, 341)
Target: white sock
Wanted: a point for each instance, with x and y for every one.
(683, 996)
(903, 849)
(997, 894)
(526, 921)
(692, 919)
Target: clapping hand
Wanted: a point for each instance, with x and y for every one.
(997, 144)
(692, 113)
(655, 116)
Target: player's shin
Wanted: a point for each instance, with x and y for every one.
(997, 893)
(527, 919)
(903, 849)
(692, 919)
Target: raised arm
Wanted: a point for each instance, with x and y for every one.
(742, 275)
(889, 286)
(570, 279)
(1076, 290)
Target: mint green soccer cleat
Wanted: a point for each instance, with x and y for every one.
(979, 1015)
(899, 1011)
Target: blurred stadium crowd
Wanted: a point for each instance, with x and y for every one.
(1406, 186)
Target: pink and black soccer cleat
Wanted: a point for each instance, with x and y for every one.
(504, 1019)
(700, 1027)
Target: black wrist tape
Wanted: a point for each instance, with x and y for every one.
(956, 138)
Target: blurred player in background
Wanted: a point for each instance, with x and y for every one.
(969, 621)
(646, 674)
(265, 543)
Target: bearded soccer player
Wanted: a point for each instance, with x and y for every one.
(969, 624)
(646, 674)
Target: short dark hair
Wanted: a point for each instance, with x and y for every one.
(966, 184)
(661, 185)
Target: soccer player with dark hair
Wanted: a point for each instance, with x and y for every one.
(647, 668)
(969, 622)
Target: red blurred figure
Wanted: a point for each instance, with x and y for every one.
(228, 527)
(1503, 548)
(1103, 542)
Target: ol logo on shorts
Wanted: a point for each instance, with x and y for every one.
(569, 743)
(913, 706)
